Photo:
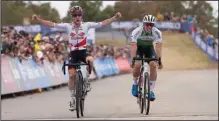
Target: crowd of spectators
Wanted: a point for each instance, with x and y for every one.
(52, 48)
(176, 18)
(208, 38)
(24, 46)
(105, 50)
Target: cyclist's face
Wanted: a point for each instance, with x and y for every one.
(148, 27)
(77, 18)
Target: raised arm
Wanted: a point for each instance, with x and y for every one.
(42, 21)
(110, 20)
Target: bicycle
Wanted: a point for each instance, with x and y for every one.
(79, 86)
(143, 93)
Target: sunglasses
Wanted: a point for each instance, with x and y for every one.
(75, 15)
(148, 24)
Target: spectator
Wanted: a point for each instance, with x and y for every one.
(184, 18)
(215, 44)
(59, 37)
(160, 17)
(166, 17)
(189, 19)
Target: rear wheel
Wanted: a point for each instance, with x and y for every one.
(146, 93)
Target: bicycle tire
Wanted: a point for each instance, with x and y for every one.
(141, 103)
(77, 88)
(146, 93)
(81, 94)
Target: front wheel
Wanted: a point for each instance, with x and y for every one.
(78, 89)
(146, 99)
(82, 99)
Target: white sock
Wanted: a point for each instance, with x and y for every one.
(135, 81)
(71, 93)
(152, 84)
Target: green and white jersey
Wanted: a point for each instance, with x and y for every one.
(142, 38)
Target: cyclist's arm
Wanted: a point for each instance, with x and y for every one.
(108, 21)
(158, 39)
(46, 22)
(52, 24)
(134, 36)
(101, 24)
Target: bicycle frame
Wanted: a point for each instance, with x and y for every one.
(143, 94)
(79, 86)
(144, 69)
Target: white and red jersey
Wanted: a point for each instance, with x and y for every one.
(77, 40)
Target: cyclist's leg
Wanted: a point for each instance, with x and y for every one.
(71, 70)
(153, 71)
(136, 73)
(85, 58)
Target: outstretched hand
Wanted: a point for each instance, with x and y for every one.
(35, 17)
(118, 15)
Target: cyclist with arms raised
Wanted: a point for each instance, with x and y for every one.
(142, 39)
(77, 34)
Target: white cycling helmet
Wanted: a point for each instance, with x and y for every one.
(149, 19)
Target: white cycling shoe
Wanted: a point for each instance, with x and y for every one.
(72, 104)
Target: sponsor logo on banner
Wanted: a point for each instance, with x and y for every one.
(168, 25)
(125, 25)
(29, 28)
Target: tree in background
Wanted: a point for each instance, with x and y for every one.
(13, 12)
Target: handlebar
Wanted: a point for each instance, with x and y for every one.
(148, 60)
(75, 64)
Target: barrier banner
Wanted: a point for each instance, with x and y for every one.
(7, 76)
(113, 66)
(105, 67)
(209, 50)
(53, 71)
(123, 64)
(26, 74)
(168, 25)
(29, 28)
(15, 72)
(98, 67)
(39, 74)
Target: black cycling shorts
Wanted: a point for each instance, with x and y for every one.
(146, 52)
(78, 56)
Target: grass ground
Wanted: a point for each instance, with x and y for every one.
(179, 52)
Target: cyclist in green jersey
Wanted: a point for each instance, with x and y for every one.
(142, 42)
